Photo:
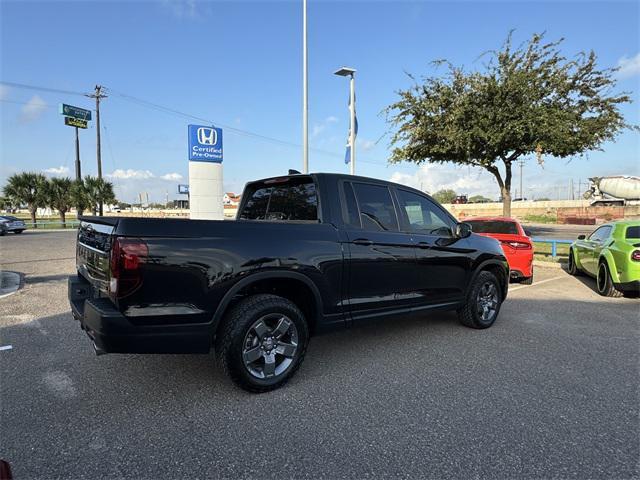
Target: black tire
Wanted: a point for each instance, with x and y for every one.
(469, 314)
(604, 284)
(572, 267)
(527, 280)
(18, 231)
(239, 327)
(3, 233)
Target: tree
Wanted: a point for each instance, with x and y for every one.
(27, 188)
(97, 190)
(528, 100)
(479, 199)
(444, 196)
(80, 197)
(59, 196)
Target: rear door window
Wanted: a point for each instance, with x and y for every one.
(293, 199)
(376, 207)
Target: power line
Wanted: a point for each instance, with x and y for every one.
(173, 111)
(44, 89)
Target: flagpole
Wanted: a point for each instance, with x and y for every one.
(352, 110)
(305, 93)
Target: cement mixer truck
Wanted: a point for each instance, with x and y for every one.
(614, 190)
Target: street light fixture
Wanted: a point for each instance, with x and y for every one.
(350, 72)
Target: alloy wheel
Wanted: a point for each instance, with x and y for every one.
(270, 346)
(487, 301)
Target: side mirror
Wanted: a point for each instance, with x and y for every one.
(463, 230)
(581, 237)
(527, 232)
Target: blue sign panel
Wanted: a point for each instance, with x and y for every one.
(183, 189)
(205, 144)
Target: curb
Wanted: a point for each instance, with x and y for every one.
(555, 265)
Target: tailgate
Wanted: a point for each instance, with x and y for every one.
(92, 252)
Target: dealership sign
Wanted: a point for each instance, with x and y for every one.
(205, 144)
(75, 112)
(75, 122)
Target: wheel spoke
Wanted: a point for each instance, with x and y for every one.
(269, 365)
(282, 327)
(261, 329)
(286, 349)
(252, 355)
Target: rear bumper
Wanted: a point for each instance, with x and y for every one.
(112, 332)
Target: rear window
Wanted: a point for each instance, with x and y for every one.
(293, 200)
(633, 232)
(480, 226)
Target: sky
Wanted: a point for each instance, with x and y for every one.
(238, 65)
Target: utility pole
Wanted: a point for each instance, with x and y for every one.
(305, 92)
(78, 168)
(98, 95)
(521, 163)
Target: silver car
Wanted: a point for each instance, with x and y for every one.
(11, 224)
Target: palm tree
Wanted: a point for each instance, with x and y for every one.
(59, 196)
(27, 188)
(80, 196)
(98, 191)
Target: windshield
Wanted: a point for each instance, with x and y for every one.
(495, 226)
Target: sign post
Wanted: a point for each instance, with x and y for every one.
(76, 117)
(205, 172)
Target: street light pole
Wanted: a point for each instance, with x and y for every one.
(350, 72)
(352, 111)
(305, 92)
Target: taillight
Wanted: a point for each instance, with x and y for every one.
(126, 256)
(518, 245)
(635, 255)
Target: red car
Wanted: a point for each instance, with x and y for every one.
(516, 244)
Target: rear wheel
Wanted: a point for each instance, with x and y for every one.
(604, 283)
(18, 231)
(572, 268)
(527, 280)
(262, 342)
(483, 302)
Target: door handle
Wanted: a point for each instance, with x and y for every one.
(423, 245)
(363, 241)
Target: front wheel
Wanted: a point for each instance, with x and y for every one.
(572, 268)
(18, 231)
(262, 342)
(483, 302)
(604, 282)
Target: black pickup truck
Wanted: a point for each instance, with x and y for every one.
(306, 253)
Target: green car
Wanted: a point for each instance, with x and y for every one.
(611, 254)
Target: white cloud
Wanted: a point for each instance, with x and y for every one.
(130, 173)
(320, 127)
(57, 171)
(464, 180)
(171, 176)
(182, 8)
(4, 91)
(629, 67)
(365, 145)
(33, 109)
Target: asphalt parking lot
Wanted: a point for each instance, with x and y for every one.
(551, 391)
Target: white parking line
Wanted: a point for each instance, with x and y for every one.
(536, 283)
(6, 347)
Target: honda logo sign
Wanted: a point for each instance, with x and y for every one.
(205, 144)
